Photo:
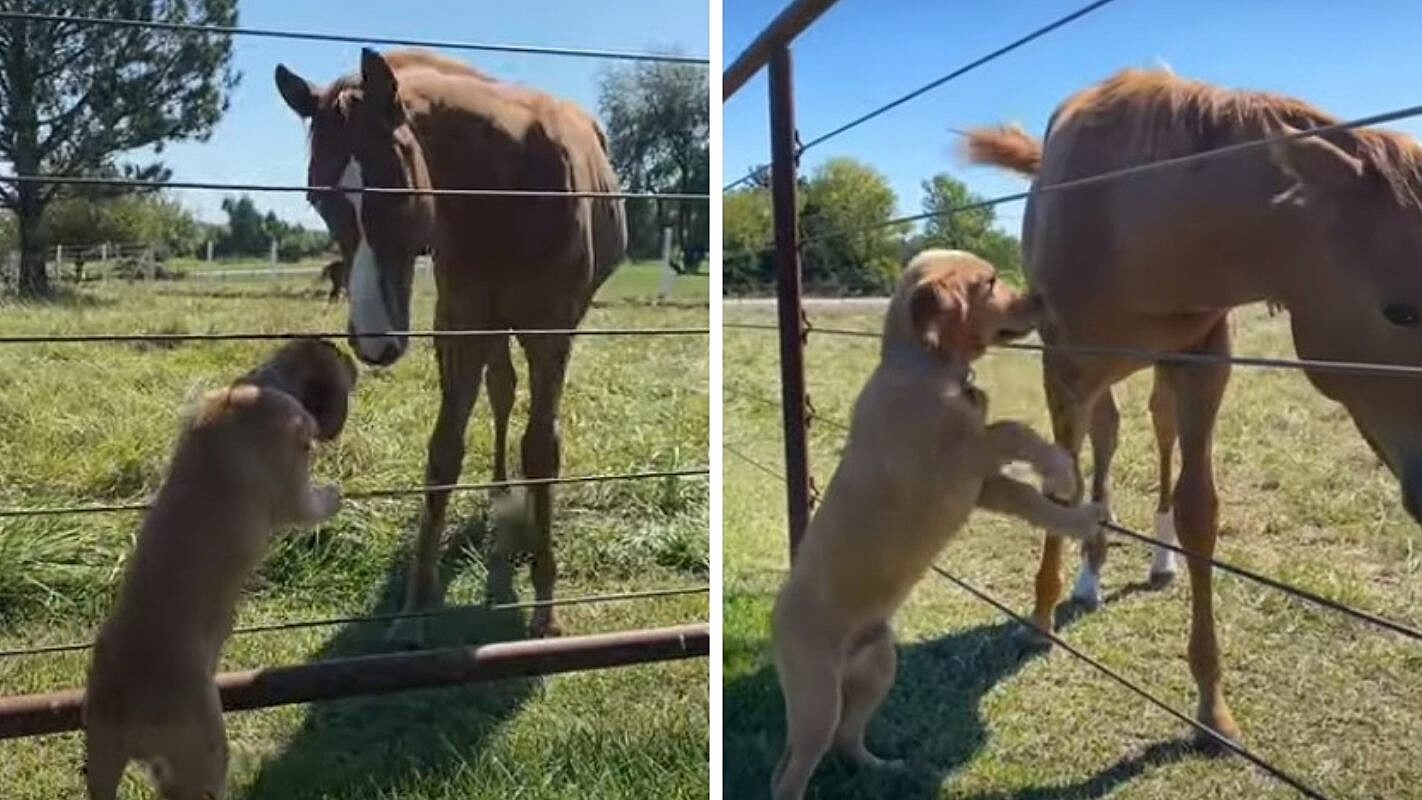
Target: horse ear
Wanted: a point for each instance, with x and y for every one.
(1317, 163)
(378, 80)
(296, 91)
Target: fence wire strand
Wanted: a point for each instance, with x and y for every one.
(1287, 588)
(1155, 356)
(379, 494)
(1102, 177)
(136, 183)
(238, 336)
(957, 73)
(326, 622)
(1214, 736)
(268, 33)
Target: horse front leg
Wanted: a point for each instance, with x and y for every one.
(1162, 417)
(547, 367)
(503, 382)
(1197, 391)
(1105, 436)
(461, 363)
(1070, 411)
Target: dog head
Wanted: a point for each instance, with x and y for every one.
(318, 374)
(951, 304)
(260, 434)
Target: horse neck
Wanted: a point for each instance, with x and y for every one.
(458, 142)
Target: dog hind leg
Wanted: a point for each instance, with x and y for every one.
(104, 762)
(811, 684)
(868, 675)
(193, 756)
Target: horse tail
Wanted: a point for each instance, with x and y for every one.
(1005, 146)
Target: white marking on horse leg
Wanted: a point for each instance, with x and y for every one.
(1087, 589)
(1163, 563)
(367, 305)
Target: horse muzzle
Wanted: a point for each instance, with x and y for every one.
(376, 350)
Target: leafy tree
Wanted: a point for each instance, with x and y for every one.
(846, 195)
(658, 119)
(246, 232)
(130, 219)
(970, 230)
(75, 97)
(746, 225)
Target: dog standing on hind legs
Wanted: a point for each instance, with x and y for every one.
(920, 457)
(241, 468)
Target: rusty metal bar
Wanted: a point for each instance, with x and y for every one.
(57, 712)
(787, 25)
(787, 288)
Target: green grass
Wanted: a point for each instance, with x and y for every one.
(978, 715)
(94, 423)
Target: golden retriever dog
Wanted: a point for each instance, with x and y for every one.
(919, 459)
(241, 468)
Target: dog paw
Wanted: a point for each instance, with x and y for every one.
(1059, 480)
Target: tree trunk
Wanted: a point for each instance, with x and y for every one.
(34, 281)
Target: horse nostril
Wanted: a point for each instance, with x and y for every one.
(389, 352)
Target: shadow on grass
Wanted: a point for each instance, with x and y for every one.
(932, 718)
(381, 745)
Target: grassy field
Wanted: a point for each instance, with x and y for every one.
(978, 714)
(94, 423)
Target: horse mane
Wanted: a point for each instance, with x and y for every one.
(409, 59)
(1168, 116)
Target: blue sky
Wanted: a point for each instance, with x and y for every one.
(261, 141)
(1352, 59)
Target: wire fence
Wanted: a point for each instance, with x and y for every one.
(370, 619)
(805, 328)
(430, 191)
(1204, 730)
(383, 494)
(1097, 179)
(314, 36)
(240, 336)
(631, 654)
(1153, 356)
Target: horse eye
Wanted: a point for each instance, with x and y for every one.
(1400, 314)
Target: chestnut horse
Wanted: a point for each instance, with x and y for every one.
(412, 119)
(1329, 227)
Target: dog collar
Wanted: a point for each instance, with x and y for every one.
(900, 353)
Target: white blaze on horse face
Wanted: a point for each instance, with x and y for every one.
(367, 305)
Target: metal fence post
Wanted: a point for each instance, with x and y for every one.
(787, 286)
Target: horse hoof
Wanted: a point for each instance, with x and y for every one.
(1160, 580)
(1031, 637)
(544, 628)
(1222, 722)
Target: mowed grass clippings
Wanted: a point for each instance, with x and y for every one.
(980, 714)
(94, 423)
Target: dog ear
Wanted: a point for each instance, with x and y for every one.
(938, 311)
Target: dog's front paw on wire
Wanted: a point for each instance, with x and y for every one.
(1059, 480)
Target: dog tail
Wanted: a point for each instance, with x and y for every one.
(1005, 146)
